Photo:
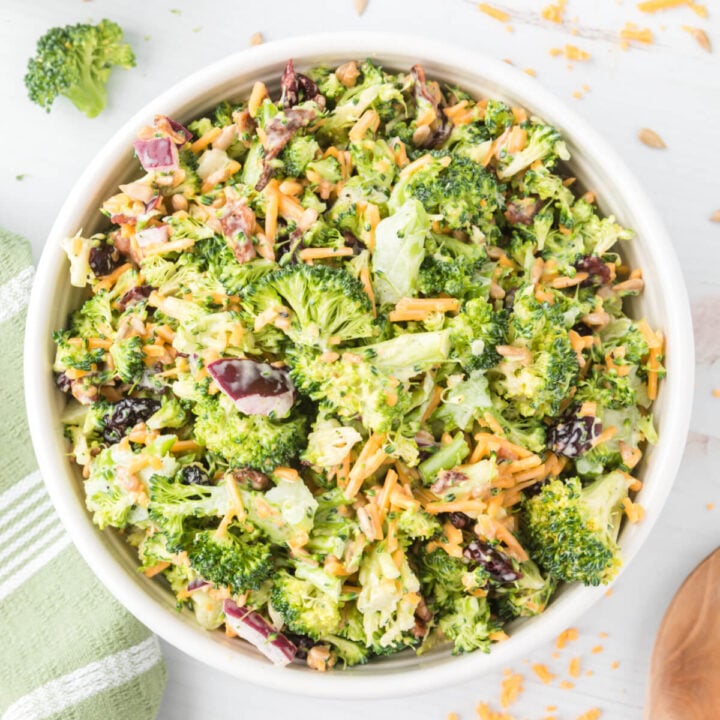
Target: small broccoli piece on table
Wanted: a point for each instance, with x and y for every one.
(75, 61)
(313, 304)
(527, 596)
(237, 559)
(305, 608)
(572, 530)
(253, 441)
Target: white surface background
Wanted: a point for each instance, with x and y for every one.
(672, 87)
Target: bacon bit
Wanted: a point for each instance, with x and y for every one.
(574, 667)
(493, 12)
(348, 74)
(632, 32)
(510, 689)
(565, 637)
(360, 6)
(256, 39)
(545, 676)
(651, 139)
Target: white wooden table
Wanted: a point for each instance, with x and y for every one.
(672, 87)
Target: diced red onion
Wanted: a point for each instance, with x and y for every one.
(138, 191)
(178, 128)
(254, 628)
(152, 236)
(196, 584)
(255, 388)
(157, 154)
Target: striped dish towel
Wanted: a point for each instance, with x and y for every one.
(69, 651)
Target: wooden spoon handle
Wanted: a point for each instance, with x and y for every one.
(684, 679)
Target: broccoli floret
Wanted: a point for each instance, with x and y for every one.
(75, 61)
(300, 151)
(305, 608)
(335, 534)
(329, 443)
(464, 401)
(610, 389)
(572, 530)
(463, 192)
(446, 457)
(527, 596)
(455, 268)
(388, 598)
(622, 332)
(441, 578)
(468, 624)
(172, 503)
(367, 381)
(498, 117)
(75, 353)
(416, 525)
(153, 549)
(528, 432)
(94, 318)
(328, 306)
(253, 441)
(475, 332)
(237, 559)
(543, 143)
(375, 166)
(171, 414)
(115, 503)
(351, 653)
(128, 358)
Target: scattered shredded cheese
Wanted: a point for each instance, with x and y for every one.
(493, 12)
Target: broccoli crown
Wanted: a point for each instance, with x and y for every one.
(572, 530)
(75, 352)
(128, 358)
(440, 577)
(454, 268)
(75, 61)
(468, 624)
(305, 608)
(240, 560)
(544, 144)
(527, 596)
(253, 441)
(475, 332)
(463, 192)
(173, 503)
(327, 306)
(298, 153)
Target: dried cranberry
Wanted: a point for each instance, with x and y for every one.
(521, 211)
(126, 414)
(134, 296)
(292, 83)
(104, 259)
(63, 382)
(498, 565)
(582, 329)
(460, 520)
(194, 475)
(353, 242)
(303, 643)
(597, 270)
(254, 478)
(573, 435)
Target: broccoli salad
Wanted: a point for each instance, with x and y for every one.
(354, 373)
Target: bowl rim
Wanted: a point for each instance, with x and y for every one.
(55, 469)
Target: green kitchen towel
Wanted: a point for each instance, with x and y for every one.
(69, 650)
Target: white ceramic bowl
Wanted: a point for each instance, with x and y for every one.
(597, 166)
